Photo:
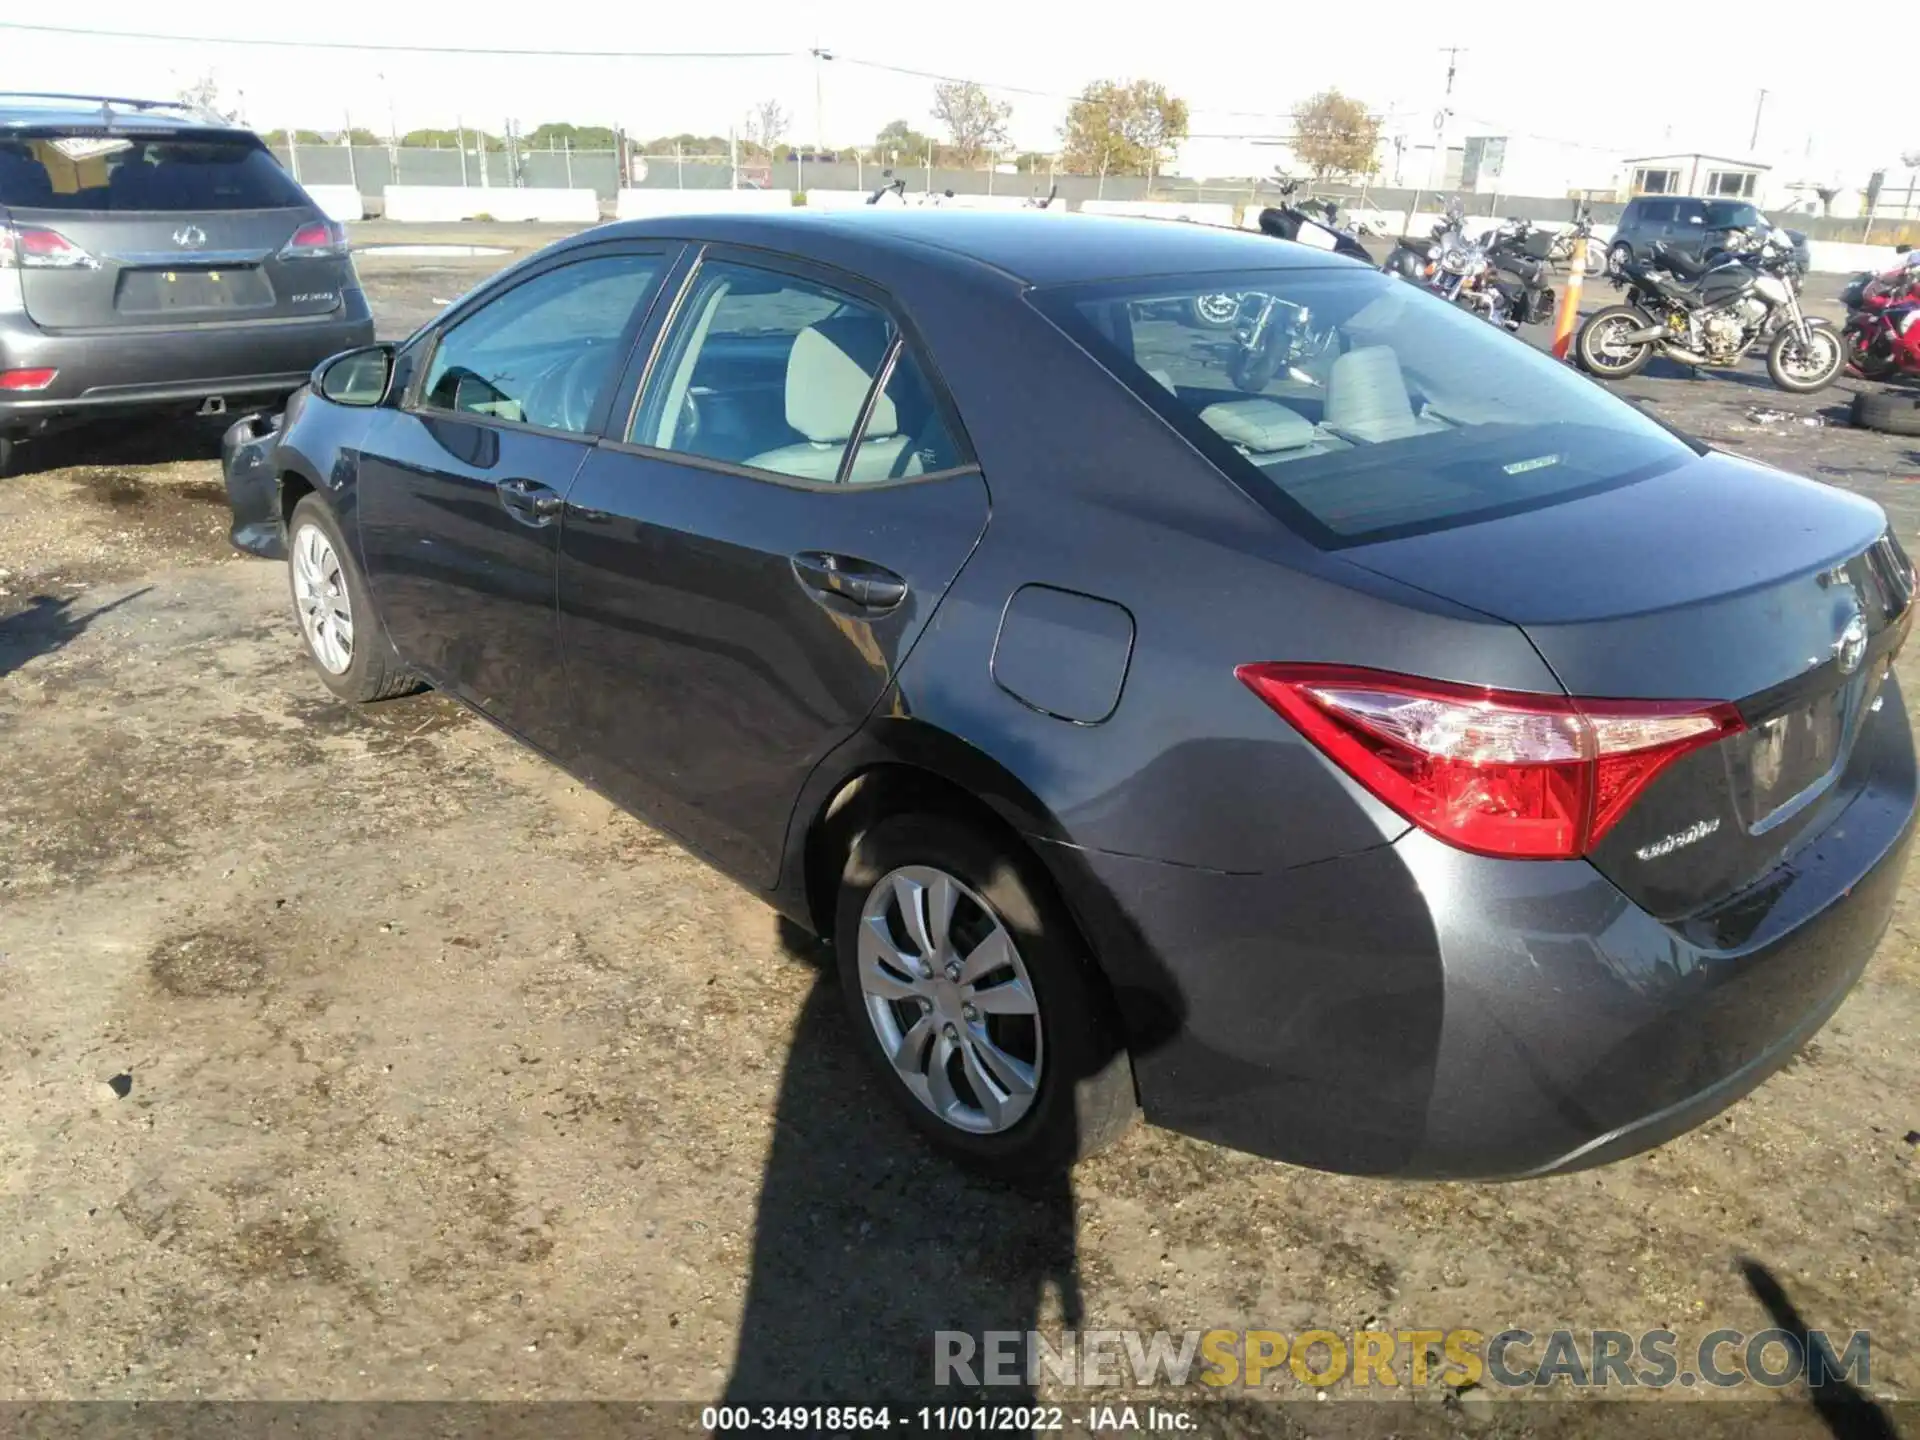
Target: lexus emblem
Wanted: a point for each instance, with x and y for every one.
(189, 237)
(1851, 648)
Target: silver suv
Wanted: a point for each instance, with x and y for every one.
(154, 257)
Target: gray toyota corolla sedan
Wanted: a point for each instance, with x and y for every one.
(1350, 737)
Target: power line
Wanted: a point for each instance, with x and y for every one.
(517, 51)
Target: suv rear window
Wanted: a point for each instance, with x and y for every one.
(1357, 406)
(80, 171)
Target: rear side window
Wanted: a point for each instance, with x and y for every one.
(1655, 212)
(1359, 406)
(104, 172)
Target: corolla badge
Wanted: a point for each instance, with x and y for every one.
(1680, 839)
(189, 237)
(1851, 648)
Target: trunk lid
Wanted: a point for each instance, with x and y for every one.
(181, 228)
(1721, 580)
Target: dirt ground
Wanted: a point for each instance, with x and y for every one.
(357, 1053)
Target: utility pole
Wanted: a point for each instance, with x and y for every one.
(1439, 173)
(1453, 52)
(819, 124)
(1760, 105)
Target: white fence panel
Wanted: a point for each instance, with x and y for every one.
(338, 202)
(1201, 212)
(471, 202)
(643, 204)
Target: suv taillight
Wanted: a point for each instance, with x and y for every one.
(1522, 776)
(315, 239)
(24, 247)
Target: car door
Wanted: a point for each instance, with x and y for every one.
(460, 486)
(1689, 228)
(740, 577)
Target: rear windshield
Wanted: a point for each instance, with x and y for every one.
(77, 171)
(1358, 406)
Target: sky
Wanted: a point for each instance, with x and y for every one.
(1241, 67)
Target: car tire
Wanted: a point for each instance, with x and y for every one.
(1618, 258)
(1887, 410)
(1213, 311)
(906, 991)
(357, 663)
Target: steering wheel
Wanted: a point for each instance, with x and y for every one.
(562, 398)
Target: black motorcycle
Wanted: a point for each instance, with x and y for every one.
(1318, 227)
(1417, 259)
(1714, 313)
(1517, 293)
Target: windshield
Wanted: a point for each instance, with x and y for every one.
(77, 171)
(1731, 215)
(1357, 405)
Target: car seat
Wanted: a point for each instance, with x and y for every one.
(829, 372)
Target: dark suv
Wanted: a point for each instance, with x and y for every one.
(154, 257)
(1689, 225)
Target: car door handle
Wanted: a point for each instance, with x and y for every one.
(530, 502)
(858, 584)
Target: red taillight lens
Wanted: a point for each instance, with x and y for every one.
(320, 237)
(27, 248)
(26, 379)
(1528, 777)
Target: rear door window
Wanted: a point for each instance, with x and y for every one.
(78, 171)
(1358, 406)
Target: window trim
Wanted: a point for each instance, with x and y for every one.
(411, 400)
(854, 287)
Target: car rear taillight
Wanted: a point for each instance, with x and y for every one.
(25, 247)
(26, 379)
(314, 239)
(1527, 777)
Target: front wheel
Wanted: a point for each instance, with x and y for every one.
(1619, 258)
(965, 982)
(1602, 349)
(1861, 358)
(345, 639)
(1802, 367)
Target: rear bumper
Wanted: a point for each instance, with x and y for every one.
(141, 367)
(1419, 1012)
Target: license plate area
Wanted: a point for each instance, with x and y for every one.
(203, 288)
(1790, 755)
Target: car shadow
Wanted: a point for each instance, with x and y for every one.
(46, 625)
(867, 1244)
(162, 440)
(1847, 1411)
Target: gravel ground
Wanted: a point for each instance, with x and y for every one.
(358, 1053)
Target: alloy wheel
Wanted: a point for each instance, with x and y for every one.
(950, 999)
(320, 591)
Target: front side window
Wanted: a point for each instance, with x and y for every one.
(76, 171)
(777, 373)
(1361, 406)
(542, 352)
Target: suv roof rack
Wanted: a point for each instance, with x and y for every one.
(108, 103)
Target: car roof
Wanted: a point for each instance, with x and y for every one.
(1030, 246)
(30, 110)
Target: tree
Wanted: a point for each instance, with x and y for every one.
(560, 136)
(976, 121)
(1122, 128)
(204, 94)
(899, 141)
(1333, 133)
(767, 124)
(439, 139)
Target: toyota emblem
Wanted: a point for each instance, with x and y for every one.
(190, 237)
(1851, 648)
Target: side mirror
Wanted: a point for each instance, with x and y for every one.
(356, 377)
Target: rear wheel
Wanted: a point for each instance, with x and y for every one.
(1801, 367)
(1601, 346)
(347, 642)
(1861, 358)
(967, 988)
(1214, 312)
(1887, 410)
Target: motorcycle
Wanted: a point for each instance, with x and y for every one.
(1415, 260)
(1517, 294)
(1880, 336)
(1561, 251)
(1713, 313)
(1286, 221)
(1272, 335)
(894, 192)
